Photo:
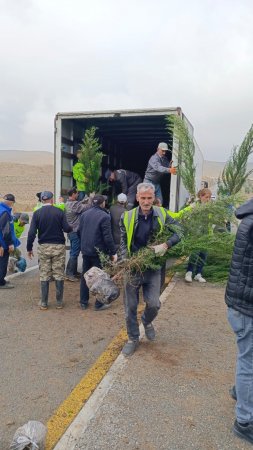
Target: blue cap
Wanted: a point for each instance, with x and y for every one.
(46, 195)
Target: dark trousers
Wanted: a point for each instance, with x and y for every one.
(150, 281)
(88, 263)
(3, 267)
(196, 262)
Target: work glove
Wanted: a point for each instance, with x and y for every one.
(160, 249)
(114, 258)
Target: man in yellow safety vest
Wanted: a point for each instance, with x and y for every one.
(137, 228)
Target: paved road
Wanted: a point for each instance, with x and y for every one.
(44, 354)
(173, 393)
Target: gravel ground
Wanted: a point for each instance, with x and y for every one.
(173, 394)
(44, 354)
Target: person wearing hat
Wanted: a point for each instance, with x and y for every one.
(20, 221)
(50, 224)
(96, 236)
(116, 212)
(60, 204)
(158, 166)
(79, 176)
(128, 182)
(8, 239)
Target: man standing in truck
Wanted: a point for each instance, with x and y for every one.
(159, 165)
(128, 182)
(79, 176)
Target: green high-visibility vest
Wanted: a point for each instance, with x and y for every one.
(129, 220)
(18, 228)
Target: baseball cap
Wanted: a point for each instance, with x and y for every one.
(46, 195)
(24, 217)
(122, 198)
(98, 199)
(9, 197)
(163, 146)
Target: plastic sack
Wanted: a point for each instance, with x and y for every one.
(21, 264)
(31, 436)
(95, 274)
(100, 285)
(105, 291)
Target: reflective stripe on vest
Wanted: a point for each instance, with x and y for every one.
(129, 220)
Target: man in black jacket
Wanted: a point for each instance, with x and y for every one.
(128, 182)
(96, 235)
(239, 299)
(50, 223)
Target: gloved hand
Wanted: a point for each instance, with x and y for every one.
(114, 258)
(160, 249)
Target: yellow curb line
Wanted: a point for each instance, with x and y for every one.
(70, 407)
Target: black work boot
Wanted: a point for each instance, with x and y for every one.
(44, 288)
(59, 286)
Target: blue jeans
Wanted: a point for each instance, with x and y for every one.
(242, 326)
(150, 280)
(196, 262)
(75, 244)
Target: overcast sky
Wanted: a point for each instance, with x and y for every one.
(79, 55)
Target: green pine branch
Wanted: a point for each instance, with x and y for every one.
(91, 158)
(203, 228)
(186, 152)
(235, 171)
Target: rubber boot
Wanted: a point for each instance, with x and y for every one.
(59, 286)
(44, 287)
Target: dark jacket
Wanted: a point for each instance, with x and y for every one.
(157, 167)
(95, 232)
(239, 290)
(173, 240)
(51, 224)
(116, 212)
(127, 179)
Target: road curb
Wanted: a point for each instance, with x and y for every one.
(13, 275)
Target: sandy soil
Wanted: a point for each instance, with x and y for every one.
(24, 181)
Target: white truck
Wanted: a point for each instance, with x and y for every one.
(128, 138)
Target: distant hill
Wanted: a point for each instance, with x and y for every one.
(213, 169)
(32, 158)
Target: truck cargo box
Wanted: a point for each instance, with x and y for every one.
(128, 138)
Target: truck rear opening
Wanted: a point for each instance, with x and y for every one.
(128, 140)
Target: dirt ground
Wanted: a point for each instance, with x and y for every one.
(24, 181)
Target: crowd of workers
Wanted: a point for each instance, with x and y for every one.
(120, 232)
